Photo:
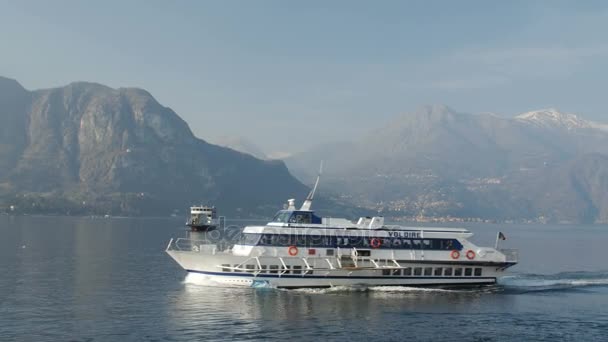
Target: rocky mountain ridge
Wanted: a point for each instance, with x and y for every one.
(87, 148)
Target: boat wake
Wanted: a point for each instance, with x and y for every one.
(512, 284)
(523, 283)
(377, 289)
(204, 280)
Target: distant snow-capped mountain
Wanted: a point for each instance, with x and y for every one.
(438, 161)
(552, 118)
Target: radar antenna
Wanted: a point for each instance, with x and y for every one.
(308, 202)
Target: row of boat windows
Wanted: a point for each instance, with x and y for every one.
(408, 271)
(319, 241)
(434, 271)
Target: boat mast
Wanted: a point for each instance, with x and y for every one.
(308, 202)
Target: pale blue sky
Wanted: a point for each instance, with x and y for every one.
(288, 74)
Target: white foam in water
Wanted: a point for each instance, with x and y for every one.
(558, 281)
(408, 289)
(380, 289)
(202, 280)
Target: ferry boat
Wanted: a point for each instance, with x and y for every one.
(202, 218)
(299, 249)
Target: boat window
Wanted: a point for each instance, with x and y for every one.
(250, 268)
(416, 244)
(428, 271)
(468, 272)
(458, 272)
(300, 217)
(298, 240)
(297, 270)
(426, 244)
(446, 245)
(266, 240)
(447, 271)
(386, 272)
(263, 268)
(363, 253)
(406, 243)
(273, 269)
(396, 272)
(249, 239)
(407, 271)
(283, 240)
(282, 216)
(357, 241)
(478, 272)
(225, 267)
(438, 271)
(329, 252)
(320, 241)
(286, 268)
(417, 271)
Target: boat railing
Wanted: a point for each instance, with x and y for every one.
(511, 255)
(191, 245)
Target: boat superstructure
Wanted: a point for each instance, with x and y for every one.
(297, 248)
(202, 218)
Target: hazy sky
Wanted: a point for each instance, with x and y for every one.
(288, 74)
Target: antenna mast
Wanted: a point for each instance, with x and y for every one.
(308, 202)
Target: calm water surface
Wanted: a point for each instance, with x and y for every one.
(86, 279)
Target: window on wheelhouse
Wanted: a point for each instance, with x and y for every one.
(297, 217)
(468, 272)
(478, 272)
(447, 271)
(458, 272)
(282, 216)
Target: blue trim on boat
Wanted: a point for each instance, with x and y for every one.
(228, 274)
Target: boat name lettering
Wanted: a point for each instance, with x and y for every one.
(404, 234)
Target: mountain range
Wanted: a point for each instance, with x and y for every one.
(542, 165)
(87, 148)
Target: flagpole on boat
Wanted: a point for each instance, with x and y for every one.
(499, 236)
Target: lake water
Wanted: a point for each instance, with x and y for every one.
(94, 279)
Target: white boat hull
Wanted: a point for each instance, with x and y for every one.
(210, 267)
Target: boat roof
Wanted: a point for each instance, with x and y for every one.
(320, 229)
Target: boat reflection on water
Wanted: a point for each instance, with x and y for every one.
(208, 311)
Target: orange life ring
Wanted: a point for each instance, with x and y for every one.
(376, 243)
(470, 255)
(292, 250)
(455, 254)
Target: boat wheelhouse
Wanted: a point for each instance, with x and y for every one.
(300, 249)
(202, 218)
